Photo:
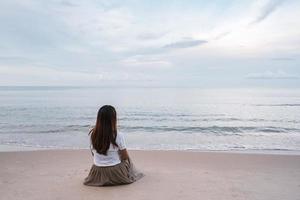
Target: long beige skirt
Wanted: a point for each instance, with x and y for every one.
(122, 173)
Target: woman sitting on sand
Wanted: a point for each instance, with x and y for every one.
(112, 165)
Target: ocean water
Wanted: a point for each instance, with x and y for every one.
(153, 118)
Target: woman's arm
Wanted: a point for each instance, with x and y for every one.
(124, 154)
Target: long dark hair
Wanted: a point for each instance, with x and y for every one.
(105, 131)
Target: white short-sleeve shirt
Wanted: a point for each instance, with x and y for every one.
(112, 157)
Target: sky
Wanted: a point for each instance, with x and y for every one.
(188, 43)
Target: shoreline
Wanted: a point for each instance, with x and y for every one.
(58, 174)
(18, 148)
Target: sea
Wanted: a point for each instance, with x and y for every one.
(159, 118)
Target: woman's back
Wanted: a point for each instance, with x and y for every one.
(112, 158)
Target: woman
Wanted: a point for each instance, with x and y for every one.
(112, 165)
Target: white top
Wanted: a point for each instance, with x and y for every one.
(112, 157)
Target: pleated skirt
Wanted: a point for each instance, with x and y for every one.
(120, 174)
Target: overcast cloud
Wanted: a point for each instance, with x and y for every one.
(150, 43)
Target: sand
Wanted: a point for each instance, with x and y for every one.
(58, 174)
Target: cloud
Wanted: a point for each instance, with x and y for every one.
(283, 59)
(156, 50)
(222, 35)
(279, 74)
(68, 3)
(146, 62)
(37, 75)
(267, 9)
(151, 35)
(14, 59)
(185, 44)
(78, 39)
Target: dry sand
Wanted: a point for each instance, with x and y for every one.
(58, 174)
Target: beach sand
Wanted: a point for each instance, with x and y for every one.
(58, 174)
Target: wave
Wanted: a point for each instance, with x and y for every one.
(35, 129)
(228, 119)
(168, 118)
(168, 114)
(217, 130)
(280, 105)
(212, 129)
